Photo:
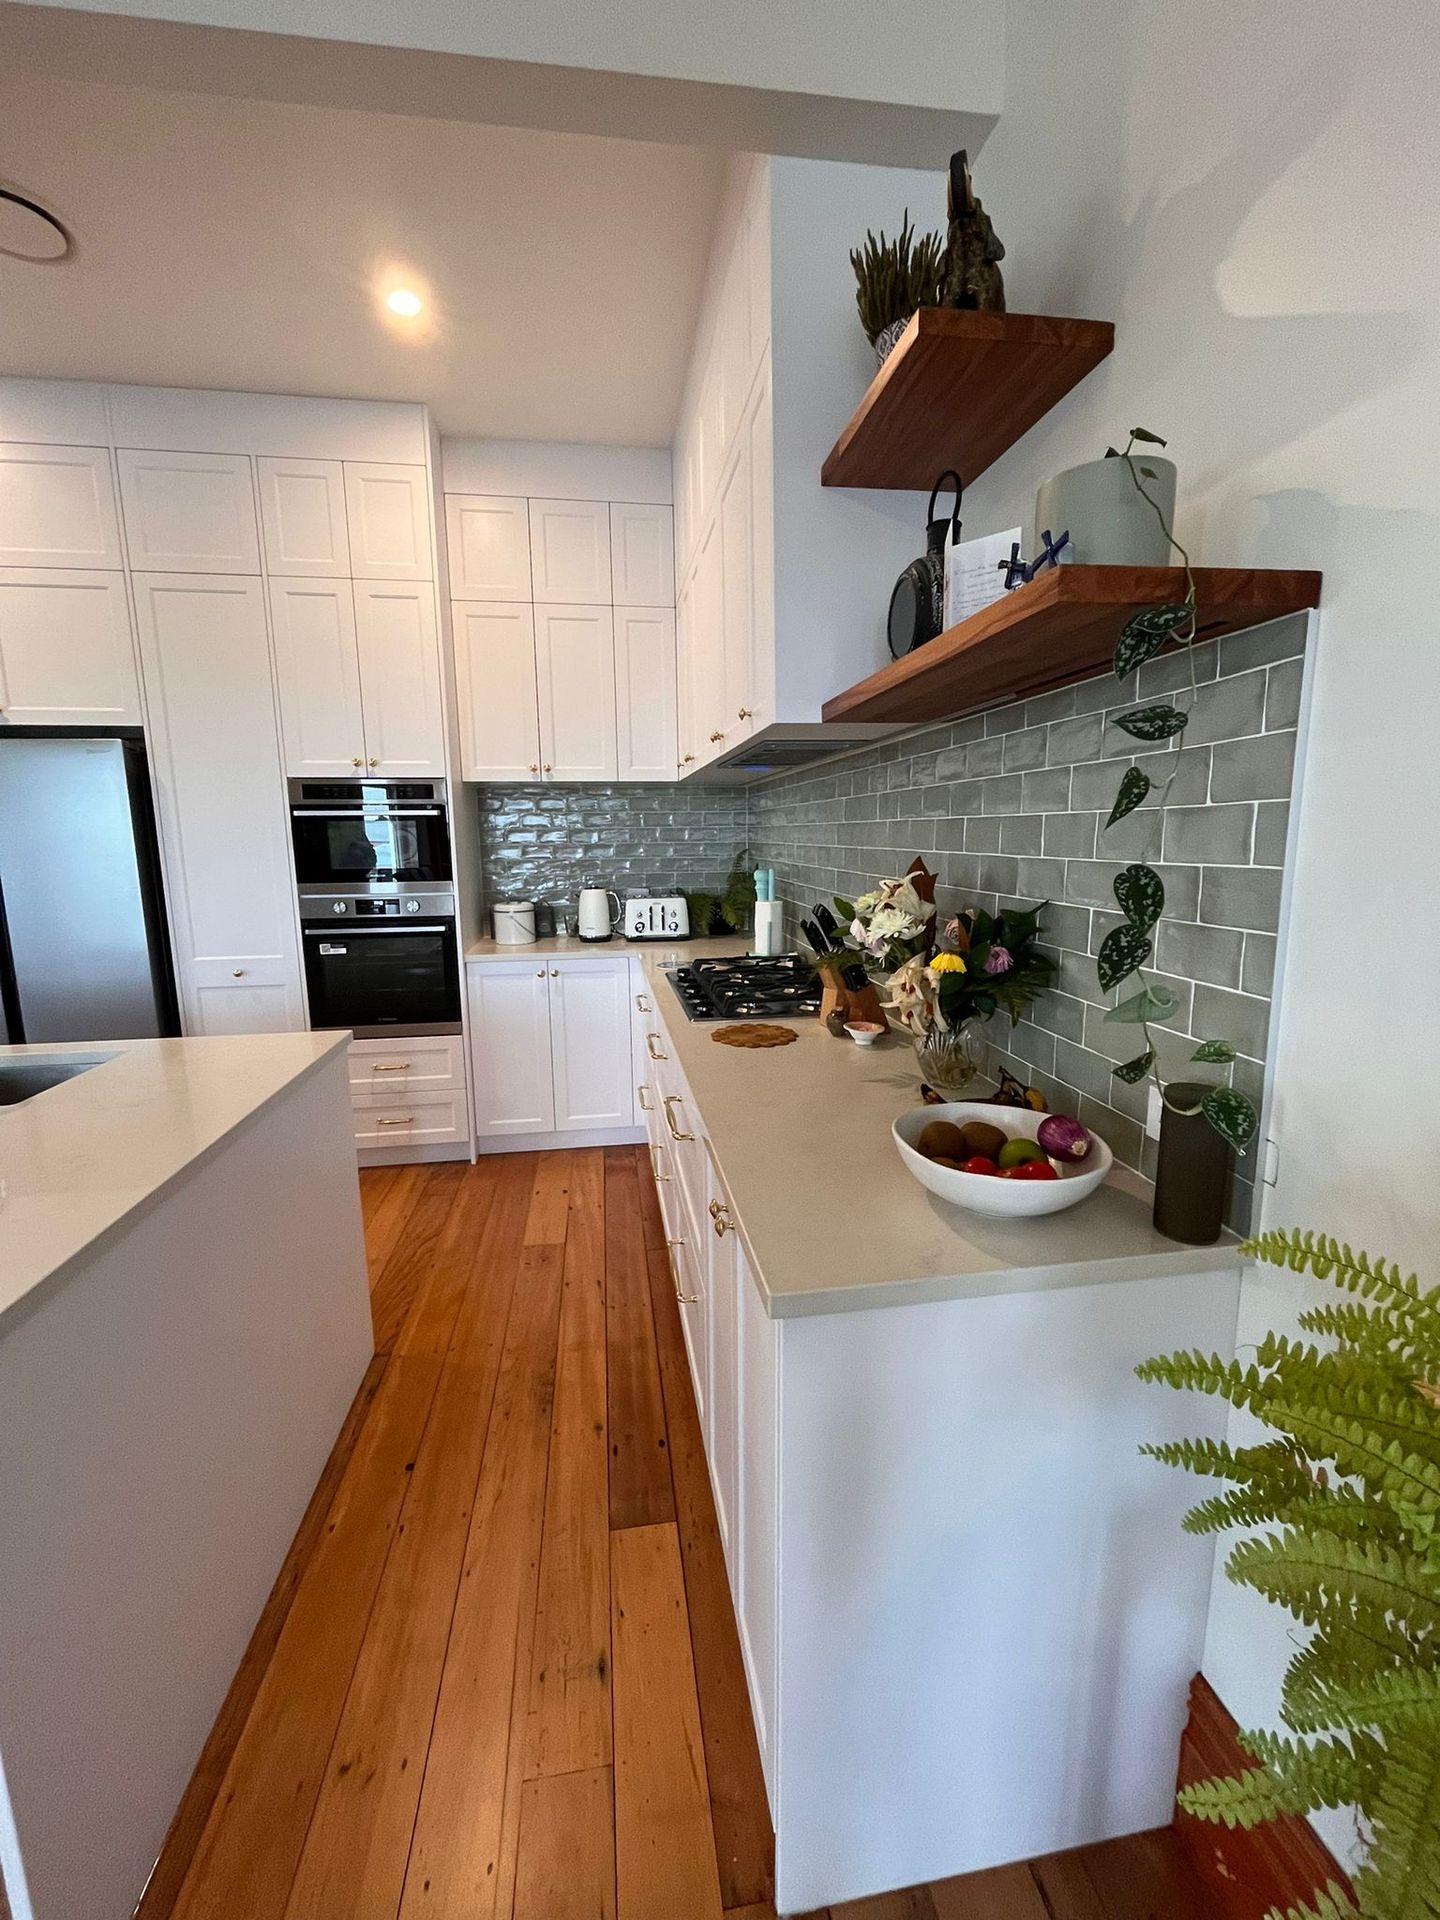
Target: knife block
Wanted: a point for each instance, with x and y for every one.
(861, 1003)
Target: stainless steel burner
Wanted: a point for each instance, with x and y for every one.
(747, 988)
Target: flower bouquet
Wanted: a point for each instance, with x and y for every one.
(989, 962)
(863, 941)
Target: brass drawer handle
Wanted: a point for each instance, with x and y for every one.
(720, 1219)
(675, 1133)
(645, 1106)
(405, 1120)
(650, 1040)
(655, 1165)
(398, 1066)
(642, 1005)
(685, 1299)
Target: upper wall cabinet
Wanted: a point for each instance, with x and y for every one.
(318, 666)
(189, 512)
(66, 656)
(488, 540)
(498, 697)
(399, 650)
(302, 516)
(575, 679)
(570, 552)
(645, 693)
(388, 512)
(57, 507)
(642, 555)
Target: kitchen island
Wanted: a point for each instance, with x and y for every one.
(967, 1609)
(184, 1322)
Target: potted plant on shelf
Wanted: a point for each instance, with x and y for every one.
(1200, 1123)
(1341, 1506)
(893, 278)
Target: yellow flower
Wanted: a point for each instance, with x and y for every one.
(947, 963)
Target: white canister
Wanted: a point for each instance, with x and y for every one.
(514, 922)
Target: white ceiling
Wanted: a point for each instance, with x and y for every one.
(239, 243)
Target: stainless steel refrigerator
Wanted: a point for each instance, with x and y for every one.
(84, 953)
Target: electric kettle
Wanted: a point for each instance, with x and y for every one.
(594, 919)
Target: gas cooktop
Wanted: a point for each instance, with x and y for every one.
(747, 988)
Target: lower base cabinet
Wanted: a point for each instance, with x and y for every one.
(551, 1046)
(408, 1095)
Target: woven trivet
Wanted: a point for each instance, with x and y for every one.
(752, 1033)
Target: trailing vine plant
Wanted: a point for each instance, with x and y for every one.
(1348, 1485)
(1139, 890)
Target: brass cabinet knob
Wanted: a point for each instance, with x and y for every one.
(687, 760)
(720, 1218)
(746, 714)
(547, 768)
(540, 973)
(357, 761)
(554, 973)
(534, 766)
(374, 762)
(238, 973)
(717, 736)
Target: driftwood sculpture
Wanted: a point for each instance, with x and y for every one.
(972, 276)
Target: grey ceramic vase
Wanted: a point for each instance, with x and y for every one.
(1109, 521)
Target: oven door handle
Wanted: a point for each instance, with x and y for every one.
(348, 932)
(365, 813)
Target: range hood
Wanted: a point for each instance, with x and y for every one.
(779, 748)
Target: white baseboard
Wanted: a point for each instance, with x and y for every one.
(412, 1156)
(552, 1142)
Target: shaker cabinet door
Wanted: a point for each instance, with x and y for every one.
(189, 512)
(318, 668)
(645, 700)
(302, 516)
(570, 551)
(399, 649)
(590, 1038)
(57, 507)
(575, 658)
(642, 555)
(487, 537)
(510, 1049)
(387, 512)
(498, 699)
(66, 655)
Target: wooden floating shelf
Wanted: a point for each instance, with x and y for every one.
(958, 391)
(1059, 628)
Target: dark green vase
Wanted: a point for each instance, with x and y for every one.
(1192, 1175)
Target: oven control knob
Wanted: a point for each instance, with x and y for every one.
(338, 906)
(412, 906)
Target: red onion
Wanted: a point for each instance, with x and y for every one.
(1063, 1138)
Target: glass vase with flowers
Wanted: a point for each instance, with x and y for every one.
(986, 964)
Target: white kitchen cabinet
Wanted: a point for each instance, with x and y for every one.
(575, 678)
(408, 1122)
(590, 1034)
(57, 507)
(687, 751)
(737, 608)
(642, 555)
(723, 1436)
(66, 654)
(318, 667)
(511, 1075)
(391, 1070)
(705, 646)
(220, 790)
(498, 696)
(387, 512)
(488, 541)
(399, 653)
(189, 512)
(757, 668)
(570, 551)
(302, 517)
(754, 1582)
(645, 693)
(687, 1270)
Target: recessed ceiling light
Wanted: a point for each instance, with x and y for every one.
(404, 302)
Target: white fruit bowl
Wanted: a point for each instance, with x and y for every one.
(986, 1192)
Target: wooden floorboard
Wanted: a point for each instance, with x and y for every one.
(640, 1490)
(664, 1846)
(568, 1716)
(744, 1840)
(499, 1676)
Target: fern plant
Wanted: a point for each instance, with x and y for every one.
(1343, 1507)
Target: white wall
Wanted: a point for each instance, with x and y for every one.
(549, 470)
(1246, 192)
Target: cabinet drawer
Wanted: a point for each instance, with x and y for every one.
(392, 1070)
(425, 1120)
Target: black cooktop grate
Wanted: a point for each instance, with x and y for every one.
(746, 987)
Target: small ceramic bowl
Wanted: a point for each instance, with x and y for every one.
(987, 1192)
(864, 1032)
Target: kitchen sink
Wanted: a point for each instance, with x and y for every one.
(21, 1080)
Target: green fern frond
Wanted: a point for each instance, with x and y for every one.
(1315, 1574)
(1402, 1697)
(1337, 1509)
(1333, 1904)
(1356, 1440)
(1383, 1336)
(1330, 1259)
(1402, 1881)
(1291, 1778)
(1204, 1373)
(1348, 1650)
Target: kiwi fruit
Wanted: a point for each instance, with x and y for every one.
(942, 1139)
(980, 1137)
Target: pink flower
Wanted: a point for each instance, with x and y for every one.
(998, 960)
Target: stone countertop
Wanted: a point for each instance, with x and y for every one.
(80, 1160)
(672, 952)
(833, 1222)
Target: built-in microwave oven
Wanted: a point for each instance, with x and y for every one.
(368, 836)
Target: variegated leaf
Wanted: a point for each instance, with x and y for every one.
(1135, 1070)
(1232, 1116)
(1214, 1050)
(1158, 722)
(1143, 635)
(1133, 789)
(1141, 894)
(1121, 951)
(1151, 1003)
